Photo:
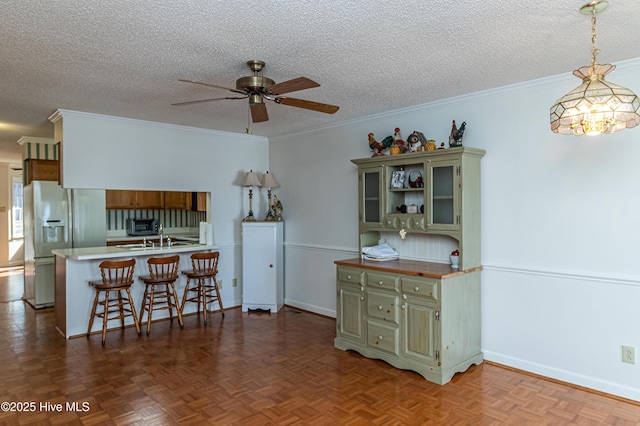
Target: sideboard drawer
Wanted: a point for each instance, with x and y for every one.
(383, 306)
(388, 282)
(350, 275)
(421, 288)
(382, 336)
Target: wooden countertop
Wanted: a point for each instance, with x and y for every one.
(408, 267)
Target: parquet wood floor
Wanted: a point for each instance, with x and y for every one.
(258, 369)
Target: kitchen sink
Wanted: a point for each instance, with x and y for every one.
(156, 246)
(137, 245)
(182, 243)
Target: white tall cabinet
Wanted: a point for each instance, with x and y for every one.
(262, 265)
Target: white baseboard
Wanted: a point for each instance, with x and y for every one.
(311, 308)
(564, 376)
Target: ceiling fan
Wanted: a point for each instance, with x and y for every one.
(258, 89)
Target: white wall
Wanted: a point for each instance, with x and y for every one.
(115, 153)
(560, 286)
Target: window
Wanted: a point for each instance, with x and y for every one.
(16, 210)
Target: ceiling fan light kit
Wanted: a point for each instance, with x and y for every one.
(257, 88)
(596, 106)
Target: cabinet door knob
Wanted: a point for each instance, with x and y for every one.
(403, 306)
(379, 307)
(270, 265)
(379, 337)
(362, 298)
(348, 277)
(361, 288)
(404, 296)
(380, 282)
(416, 289)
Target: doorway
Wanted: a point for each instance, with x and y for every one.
(11, 284)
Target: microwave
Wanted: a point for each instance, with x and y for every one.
(142, 227)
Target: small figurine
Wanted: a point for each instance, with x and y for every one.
(378, 147)
(276, 209)
(416, 141)
(397, 140)
(455, 138)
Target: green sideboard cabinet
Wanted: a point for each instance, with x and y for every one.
(415, 315)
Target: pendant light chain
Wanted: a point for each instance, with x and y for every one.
(594, 50)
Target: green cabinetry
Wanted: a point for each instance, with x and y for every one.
(434, 192)
(415, 315)
(350, 305)
(421, 316)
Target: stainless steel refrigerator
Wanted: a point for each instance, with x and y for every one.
(88, 217)
(56, 218)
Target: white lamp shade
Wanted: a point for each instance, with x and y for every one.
(269, 181)
(251, 179)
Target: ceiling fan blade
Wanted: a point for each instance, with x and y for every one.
(294, 85)
(212, 85)
(313, 106)
(206, 100)
(259, 113)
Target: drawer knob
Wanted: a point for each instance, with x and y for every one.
(348, 277)
(271, 265)
(379, 307)
(361, 288)
(361, 297)
(416, 289)
(380, 282)
(404, 296)
(379, 337)
(403, 306)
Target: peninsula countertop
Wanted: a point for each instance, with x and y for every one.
(74, 268)
(109, 252)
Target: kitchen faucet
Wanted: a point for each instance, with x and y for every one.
(160, 232)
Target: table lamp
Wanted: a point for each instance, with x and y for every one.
(269, 181)
(250, 180)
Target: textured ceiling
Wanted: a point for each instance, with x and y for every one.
(124, 58)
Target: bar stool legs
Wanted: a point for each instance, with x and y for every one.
(117, 276)
(197, 290)
(160, 292)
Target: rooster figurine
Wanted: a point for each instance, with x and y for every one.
(397, 140)
(455, 138)
(378, 147)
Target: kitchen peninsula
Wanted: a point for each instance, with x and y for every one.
(77, 266)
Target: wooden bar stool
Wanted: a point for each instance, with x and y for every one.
(163, 273)
(205, 267)
(117, 276)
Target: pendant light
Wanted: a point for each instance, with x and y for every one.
(596, 106)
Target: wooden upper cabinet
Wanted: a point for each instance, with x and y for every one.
(149, 199)
(177, 200)
(198, 201)
(118, 199)
(169, 200)
(42, 170)
(122, 199)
